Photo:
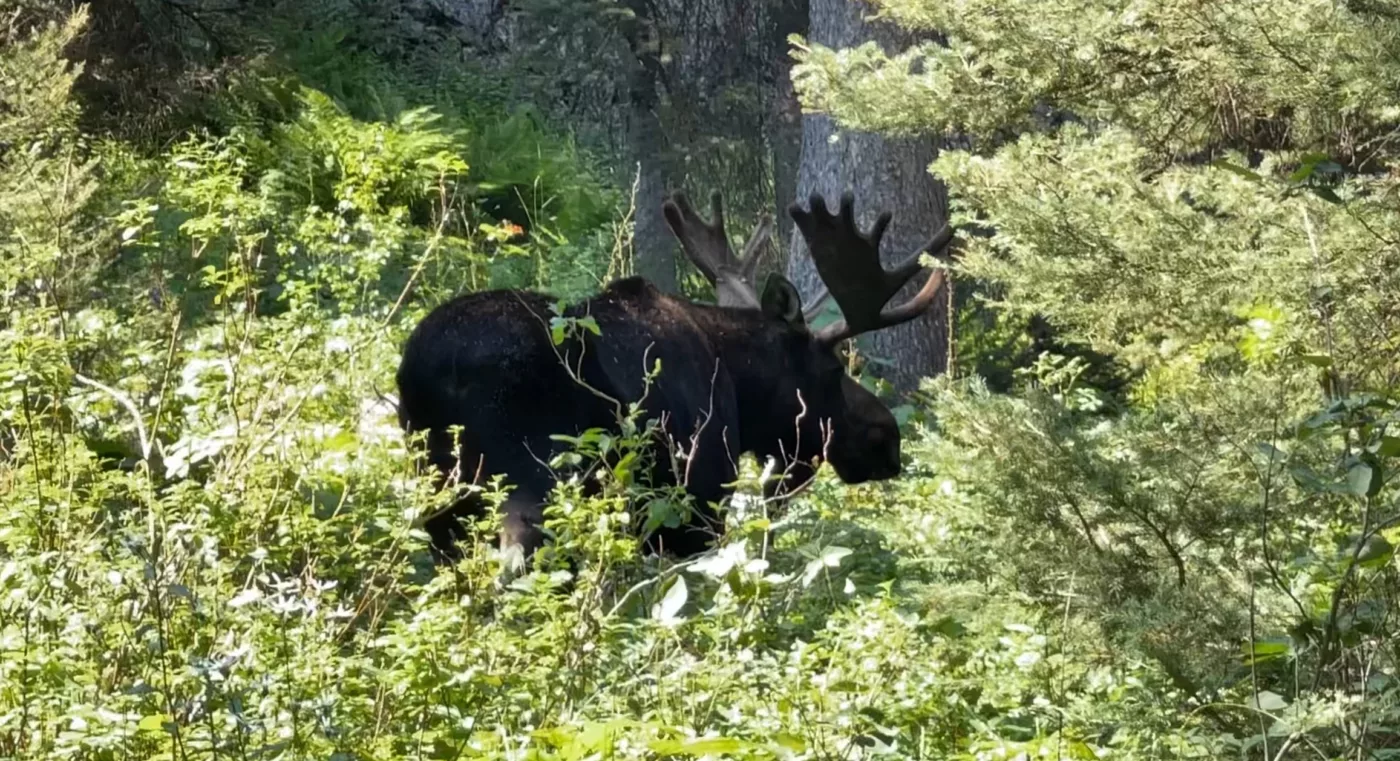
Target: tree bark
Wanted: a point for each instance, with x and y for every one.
(884, 173)
(686, 94)
(785, 115)
(648, 149)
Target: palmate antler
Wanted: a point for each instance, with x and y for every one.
(848, 263)
(707, 245)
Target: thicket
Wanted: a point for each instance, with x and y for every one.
(208, 541)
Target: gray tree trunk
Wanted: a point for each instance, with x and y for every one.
(653, 246)
(785, 115)
(684, 94)
(653, 249)
(885, 174)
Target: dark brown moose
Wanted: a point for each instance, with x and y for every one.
(746, 375)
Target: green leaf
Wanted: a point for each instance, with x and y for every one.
(1318, 421)
(1315, 483)
(1264, 650)
(1361, 478)
(1268, 701)
(791, 742)
(1080, 749)
(832, 555)
(1376, 552)
(1273, 453)
(666, 611)
(1237, 169)
(1326, 194)
(949, 626)
(830, 558)
(705, 746)
(591, 325)
(622, 471)
(713, 745)
(345, 441)
(1307, 166)
(154, 723)
(1317, 360)
(1389, 446)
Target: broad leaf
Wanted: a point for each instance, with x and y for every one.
(667, 611)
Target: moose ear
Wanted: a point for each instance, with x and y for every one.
(780, 300)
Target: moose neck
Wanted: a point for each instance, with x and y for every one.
(758, 358)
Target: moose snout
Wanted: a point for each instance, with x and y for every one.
(870, 456)
(882, 453)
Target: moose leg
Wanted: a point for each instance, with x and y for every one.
(522, 515)
(445, 529)
(707, 478)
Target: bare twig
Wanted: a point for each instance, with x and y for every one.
(428, 251)
(125, 401)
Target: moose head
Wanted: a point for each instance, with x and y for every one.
(837, 419)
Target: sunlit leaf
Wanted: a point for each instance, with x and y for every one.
(698, 747)
(1363, 479)
(668, 610)
(1268, 701)
(154, 723)
(1263, 650)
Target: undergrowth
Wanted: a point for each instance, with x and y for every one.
(209, 541)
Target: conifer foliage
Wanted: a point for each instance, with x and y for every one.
(1205, 191)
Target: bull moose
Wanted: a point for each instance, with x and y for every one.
(745, 375)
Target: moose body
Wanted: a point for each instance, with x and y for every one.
(731, 381)
(746, 376)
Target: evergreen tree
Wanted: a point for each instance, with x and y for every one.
(1205, 191)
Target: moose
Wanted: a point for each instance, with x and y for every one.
(483, 378)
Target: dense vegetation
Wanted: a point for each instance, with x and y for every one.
(1170, 537)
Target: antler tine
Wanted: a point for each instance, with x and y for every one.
(707, 245)
(748, 257)
(915, 306)
(704, 243)
(938, 247)
(849, 265)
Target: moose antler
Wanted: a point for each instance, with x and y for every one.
(848, 263)
(707, 245)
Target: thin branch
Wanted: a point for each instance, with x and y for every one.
(125, 401)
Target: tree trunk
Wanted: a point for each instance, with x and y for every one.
(884, 173)
(653, 250)
(653, 247)
(785, 116)
(711, 107)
